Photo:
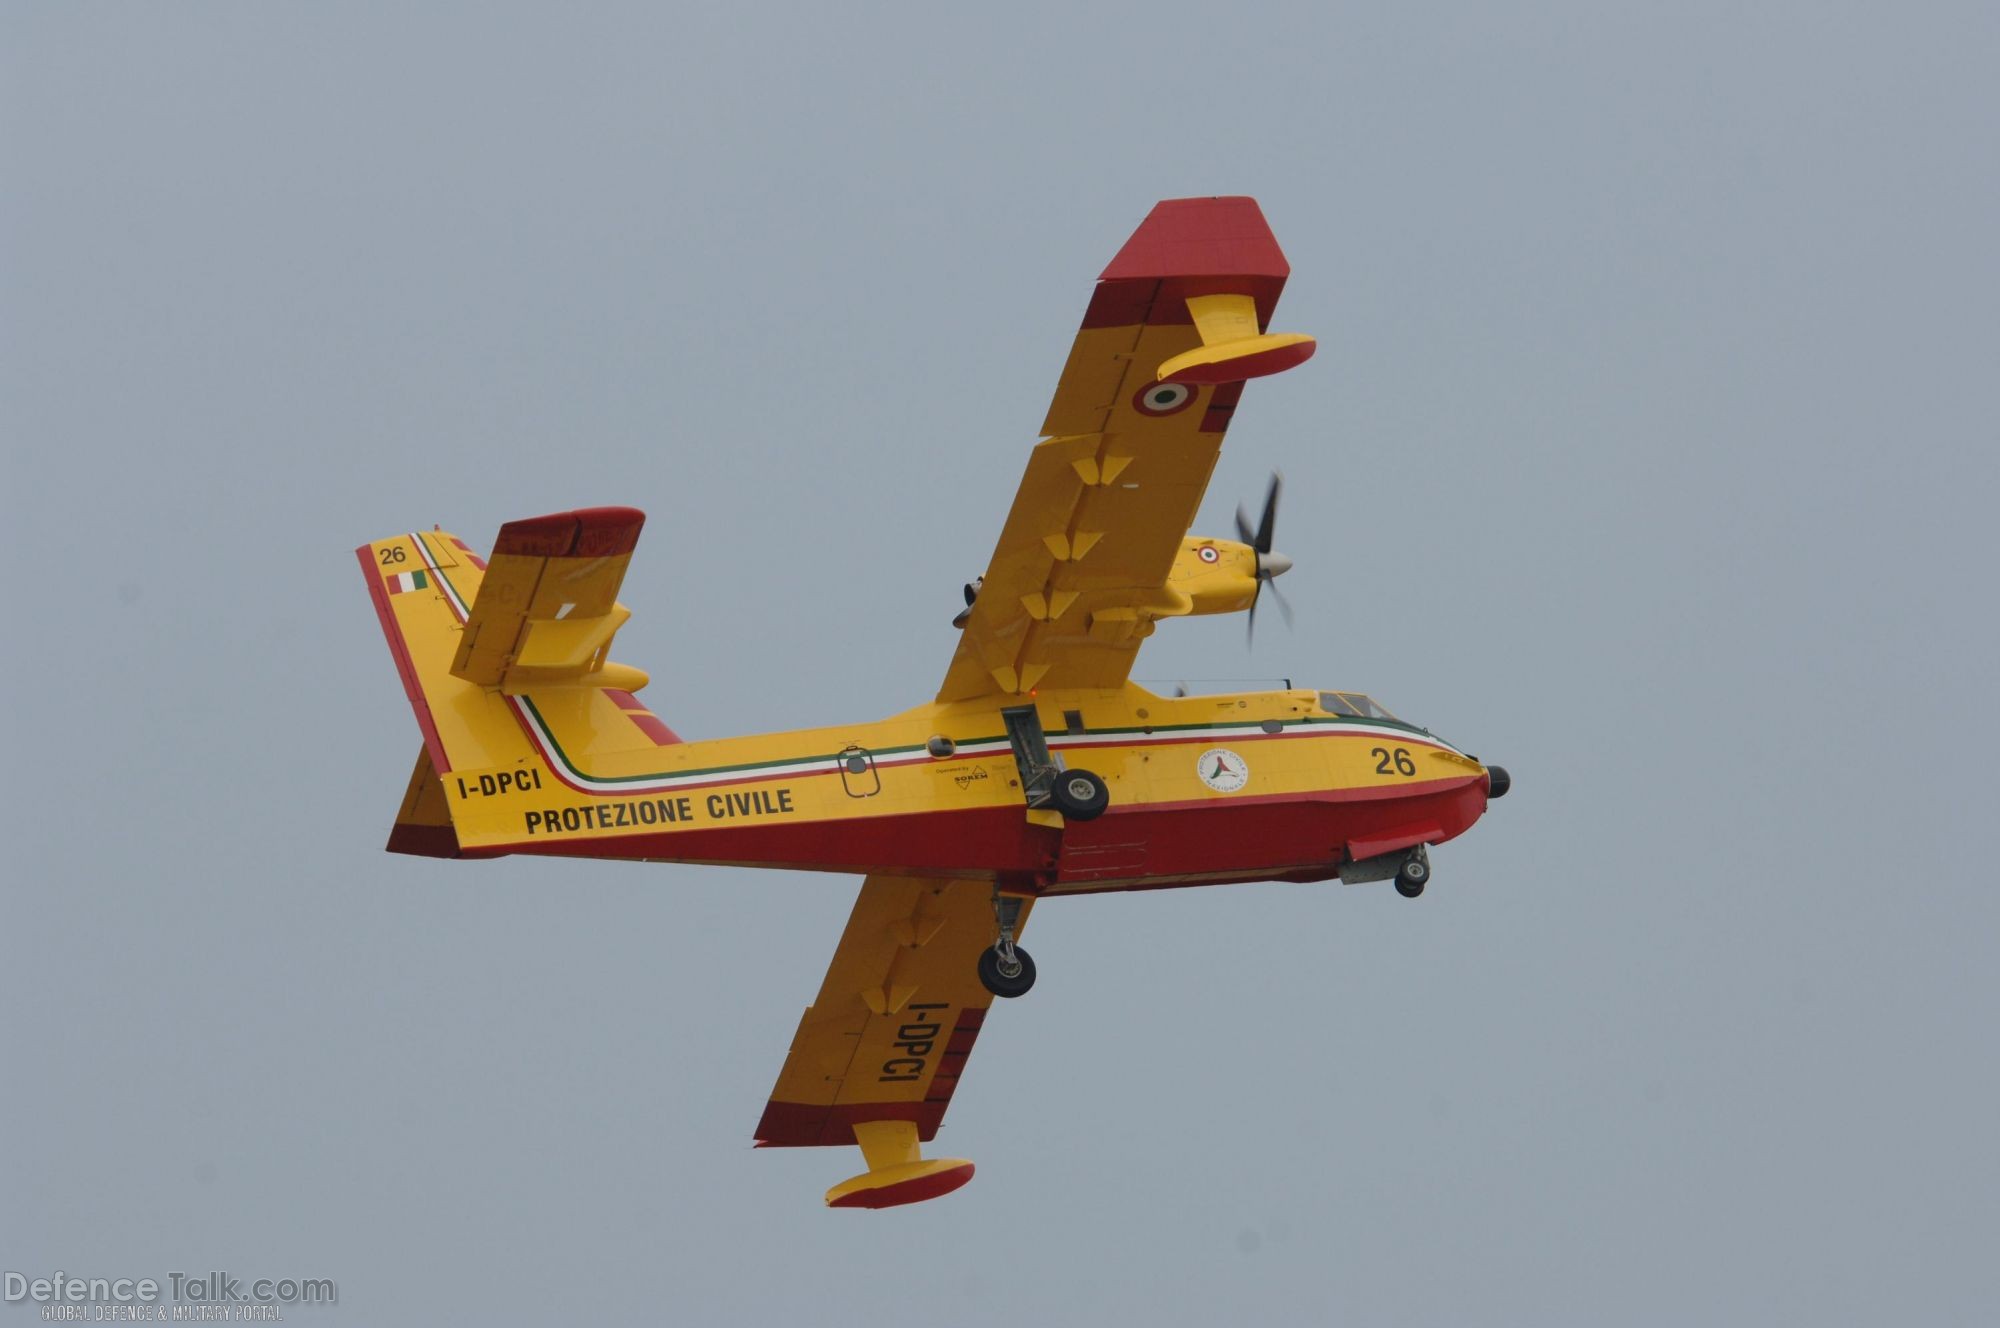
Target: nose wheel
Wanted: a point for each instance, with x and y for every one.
(1415, 873)
(1005, 969)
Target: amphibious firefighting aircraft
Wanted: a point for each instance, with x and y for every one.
(1040, 769)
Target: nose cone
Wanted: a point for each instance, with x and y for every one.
(1273, 564)
(1498, 781)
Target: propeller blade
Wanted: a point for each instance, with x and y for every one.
(1264, 528)
(1259, 541)
(1284, 605)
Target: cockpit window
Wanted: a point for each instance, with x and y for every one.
(1352, 703)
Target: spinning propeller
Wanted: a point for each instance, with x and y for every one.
(1269, 565)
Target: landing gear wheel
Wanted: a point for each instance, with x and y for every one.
(1413, 875)
(1005, 978)
(1080, 795)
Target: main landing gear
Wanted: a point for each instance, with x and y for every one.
(1005, 969)
(1078, 794)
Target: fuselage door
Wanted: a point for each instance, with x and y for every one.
(858, 774)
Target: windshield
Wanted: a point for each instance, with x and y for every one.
(1354, 704)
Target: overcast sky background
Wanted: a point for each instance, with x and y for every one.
(1649, 451)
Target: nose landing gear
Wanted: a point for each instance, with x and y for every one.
(1415, 873)
(1409, 868)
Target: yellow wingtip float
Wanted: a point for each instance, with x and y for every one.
(897, 1173)
(1038, 770)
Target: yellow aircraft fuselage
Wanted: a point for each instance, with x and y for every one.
(1307, 781)
(938, 791)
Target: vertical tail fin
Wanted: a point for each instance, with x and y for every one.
(470, 640)
(423, 586)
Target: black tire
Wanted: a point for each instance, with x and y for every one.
(1080, 795)
(1412, 877)
(1000, 984)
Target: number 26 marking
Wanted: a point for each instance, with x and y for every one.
(1401, 758)
(392, 554)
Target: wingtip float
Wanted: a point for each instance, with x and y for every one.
(1038, 770)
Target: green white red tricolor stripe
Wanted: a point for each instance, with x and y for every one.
(458, 605)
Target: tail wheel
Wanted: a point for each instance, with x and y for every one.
(1080, 796)
(1003, 977)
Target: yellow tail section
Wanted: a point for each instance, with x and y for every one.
(467, 636)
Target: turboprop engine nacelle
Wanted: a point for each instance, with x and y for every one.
(1220, 576)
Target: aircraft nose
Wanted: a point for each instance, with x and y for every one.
(1498, 781)
(1273, 564)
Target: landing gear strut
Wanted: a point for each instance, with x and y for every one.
(1078, 794)
(1005, 969)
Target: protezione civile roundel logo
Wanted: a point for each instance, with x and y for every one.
(1223, 770)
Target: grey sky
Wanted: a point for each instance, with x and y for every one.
(1650, 451)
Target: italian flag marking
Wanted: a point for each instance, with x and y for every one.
(403, 581)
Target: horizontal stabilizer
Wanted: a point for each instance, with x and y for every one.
(548, 606)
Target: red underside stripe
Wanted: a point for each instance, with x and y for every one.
(908, 1192)
(1221, 406)
(802, 1125)
(588, 532)
(1153, 302)
(1248, 366)
(952, 1063)
(650, 725)
(797, 1124)
(424, 841)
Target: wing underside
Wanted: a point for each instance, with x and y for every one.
(896, 1016)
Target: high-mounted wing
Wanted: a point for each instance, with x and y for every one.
(878, 1054)
(1176, 325)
